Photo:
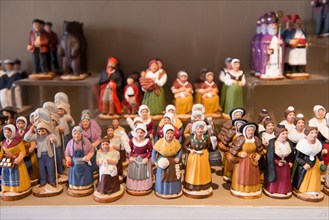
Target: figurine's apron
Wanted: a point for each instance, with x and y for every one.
(80, 172)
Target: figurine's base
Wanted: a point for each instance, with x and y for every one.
(108, 117)
(62, 179)
(80, 192)
(34, 182)
(73, 77)
(139, 192)
(277, 195)
(298, 76)
(132, 116)
(244, 195)
(264, 77)
(184, 117)
(156, 117)
(13, 196)
(105, 198)
(47, 190)
(326, 190)
(24, 109)
(42, 76)
(308, 197)
(198, 194)
(166, 196)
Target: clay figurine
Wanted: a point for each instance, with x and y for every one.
(167, 154)
(261, 56)
(268, 134)
(289, 115)
(222, 77)
(144, 113)
(195, 116)
(78, 154)
(297, 134)
(168, 119)
(15, 181)
(254, 47)
(53, 44)
(182, 91)
(109, 188)
(262, 116)
(285, 33)
(197, 84)
(132, 96)
(322, 18)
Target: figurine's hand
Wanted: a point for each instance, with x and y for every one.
(192, 151)
(257, 157)
(131, 159)
(145, 160)
(241, 83)
(270, 51)
(29, 47)
(53, 140)
(280, 164)
(151, 136)
(60, 129)
(324, 151)
(244, 154)
(176, 160)
(290, 165)
(37, 43)
(306, 166)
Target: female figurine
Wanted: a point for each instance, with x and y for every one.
(297, 134)
(152, 83)
(262, 116)
(209, 91)
(65, 120)
(111, 82)
(235, 113)
(182, 91)
(195, 116)
(197, 85)
(176, 121)
(144, 113)
(109, 188)
(307, 177)
(167, 119)
(268, 134)
(289, 115)
(93, 122)
(15, 181)
(78, 153)
(235, 80)
(30, 159)
(222, 77)
(197, 181)
(246, 151)
(320, 122)
(132, 96)
(139, 179)
(167, 154)
(279, 160)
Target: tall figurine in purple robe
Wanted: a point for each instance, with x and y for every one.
(254, 47)
(259, 58)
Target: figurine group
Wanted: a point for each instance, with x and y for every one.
(277, 51)
(147, 88)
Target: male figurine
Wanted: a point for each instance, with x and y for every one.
(53, 43)
(17, 68)
(284, 34)
(260, 56)
(38, 44)
(322, 17)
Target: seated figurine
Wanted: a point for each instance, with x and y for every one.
(182, 91)
(197, 85)
(209, 92)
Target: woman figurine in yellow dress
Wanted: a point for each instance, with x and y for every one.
(182, 91)
(246, 151)
(198, 180)
(15, 181)
(209, 91)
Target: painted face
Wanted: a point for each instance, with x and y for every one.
(106, 146)
(8, 114)
(228, 65)
(54, 122)
(199, 130)
(110, 132)
(130, 81)
(7, 133)
(320, 114)
(136, 123)
(311, 137)
(77, 136)
(291, 117)
(48, 28)
(171, 111)
(210, 77)
(270, 128)
(183, 78)
(9, 67)
(42, 132)
(111, 66)
(264, 28)
(154, 67)
(169, 135)
(115, 123)
(145, 113)
(85, 123)
(197, 118)
(250, 132)
(32, 119)
(283, 136)
(140, 134)
(237, 115)
(166, 120)
(36, 26)
(20, 125)
(60, 112)
(236, 66)
(272, 29)
(238, 126)
(160, 64)
(300, 125)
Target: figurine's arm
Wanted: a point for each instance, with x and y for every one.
(228, 81)
(243, 80)
(160, 82)
(30, 135)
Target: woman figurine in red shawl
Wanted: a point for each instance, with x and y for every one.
(111, 82)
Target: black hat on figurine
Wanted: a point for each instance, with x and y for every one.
(17, 61)
(9, 109)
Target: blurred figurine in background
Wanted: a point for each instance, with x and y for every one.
(222, 77)
(289, 115)
(53, 44)
(322, 18)
(182, 91)
(209, 91)
(284, 34)
(132, 95)
(254, 47)
(197, 84)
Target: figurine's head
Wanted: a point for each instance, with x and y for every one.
(210, 77)
(77, 133)
(259, 26)
(9, 111)
(199, 128)
(85, 122)
(21, 123)
(227, 62)
(264, 23)
(55, 119)
(290, 114)
(171, 108)
(272, 27)
(202, 74)
(130, 80)
(300, 122)
(140, 131)
(168, 131)
(60, 112)
(153, 66)
(237, 123)
(160, 63)
(235, 64)
(287, 20)
(137, 120)
(115, 123)
(311, 133)
(48, 26)
(248, 130)
(9, 131)
(31, 117)
(198, 107)
(281, 133)
(319, 111)
(168, 118)
(9, 64)
(143, 111)
(110, 131)
(297, 21)
(43, 129)
(105, 144)
(17, 64)
(112, 64)
(182, 76)
(262, 115)
(269, 126)
(36, 25)
(42, 25)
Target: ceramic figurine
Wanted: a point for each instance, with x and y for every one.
(38, 45)
(254, 47)
(167, 119)
(222, 77)
(226, 144)
(94, 138)
(296, 41)
(18, 69)
(53, 44)
(63, 99)
(124, 141)
(197, 84)
(307, 177)
(132, 96)
(111, 82)
(296, 134)
(46, 143)
(246, 152)
(167, 154)
(279, 159)
(78, 154)
(15, 181)
(272, 49)
(30, 159)
(261, 56)
(152, 83)
(209, 91)
(195, 116)
(175, 121)
(197, 181)
(285, 33)
(11, 114)
(235, 113)
(235, 80)
(322, 18)
(289, 115)
(268, 134)
(139, 178)
(262, 116)
(66, 121)
(93, 122)
(182, 91)
(144, 113)
(73, 50)
(109, 188)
